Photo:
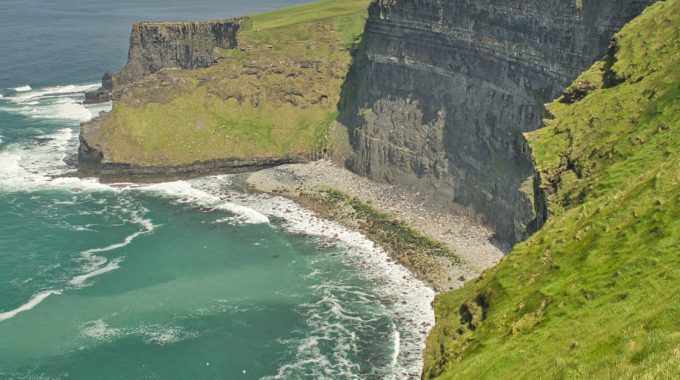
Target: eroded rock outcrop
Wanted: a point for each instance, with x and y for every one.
(188, 103)
(161, 45)
(444, 90)
(153, 47)
(186, 45)
(103, 93)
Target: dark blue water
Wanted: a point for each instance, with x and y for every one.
(187, 279)
(52, 42)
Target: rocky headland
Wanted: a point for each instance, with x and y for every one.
(442, 112)
(224, 96)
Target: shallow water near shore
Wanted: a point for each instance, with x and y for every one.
(183, 279)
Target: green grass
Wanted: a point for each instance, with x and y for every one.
(594, 295)
(307, 13)
(274, 97)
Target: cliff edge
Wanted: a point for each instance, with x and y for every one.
(186, 45)
(443, 91)
(592, 295)
(224, 96)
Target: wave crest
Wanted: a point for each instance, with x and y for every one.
(33, 302)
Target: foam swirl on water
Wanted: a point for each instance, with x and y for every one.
(327, 347)
(33, 302)
(327, 318)
(23, 88)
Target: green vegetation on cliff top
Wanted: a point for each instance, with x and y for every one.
(595, 294)
(274, 97)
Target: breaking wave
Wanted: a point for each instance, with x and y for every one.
(329, 321)
(33, 302)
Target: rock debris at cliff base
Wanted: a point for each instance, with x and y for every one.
(463, 234)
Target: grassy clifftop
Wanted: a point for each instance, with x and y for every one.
(274, 97)
(595, 293)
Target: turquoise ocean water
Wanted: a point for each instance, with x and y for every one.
(179, 280)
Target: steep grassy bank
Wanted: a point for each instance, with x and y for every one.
(273, 97)
(595, 293)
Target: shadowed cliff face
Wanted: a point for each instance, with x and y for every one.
(447, 88)
(186, 45)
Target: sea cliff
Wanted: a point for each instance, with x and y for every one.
(446, 89)
(185, 45)
(448, 100)
(592, 294)
(225, 96)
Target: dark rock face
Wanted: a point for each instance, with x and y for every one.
(104, 93)
(123, 172)
(186, 45)
(90, 157)
(162, 45)
(446, 89)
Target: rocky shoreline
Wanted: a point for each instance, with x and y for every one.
(441, 245)
(334, 193)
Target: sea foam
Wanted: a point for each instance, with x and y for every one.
(95, 264)
(58, 103)
(23, 88)
(41, 165)
(184, 192)
(33, 302)
(409, 297)
(78, 281)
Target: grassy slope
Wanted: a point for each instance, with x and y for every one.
(596, 293)
(274, 97)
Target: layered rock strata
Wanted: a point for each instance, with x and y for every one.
(186, 45)
(161, 45)
(442, 91)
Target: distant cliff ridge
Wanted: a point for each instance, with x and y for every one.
(446, 89)
(186, 45)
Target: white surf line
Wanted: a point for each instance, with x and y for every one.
(33, 302)
(397, 349)
(80, 280)
(58, 102)
(184, 192)
(26, 93)
(96, 268)
(246, 214)
(23, 88)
